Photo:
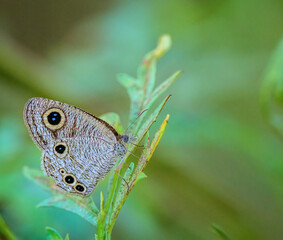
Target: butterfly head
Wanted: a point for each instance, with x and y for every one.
(126, 139)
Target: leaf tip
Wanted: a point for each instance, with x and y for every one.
(52, 234)
(163, 45)
(167, 118)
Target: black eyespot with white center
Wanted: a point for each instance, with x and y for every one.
(54, 118)
(80, 188)
(60, 149)
(69, 179)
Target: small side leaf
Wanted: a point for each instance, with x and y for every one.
(52, 234)
(151, 119)
(82, 207)
(114, 120)
(147, 70)
(141, 176)
(40, 179)
(128, 82)
(135, 92)
(155, 141)
(161, 89)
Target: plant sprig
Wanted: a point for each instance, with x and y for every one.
(142, 96)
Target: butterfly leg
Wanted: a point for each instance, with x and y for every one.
(128, 187)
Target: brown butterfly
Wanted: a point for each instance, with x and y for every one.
(78, 148)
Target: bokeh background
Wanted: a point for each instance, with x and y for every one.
(218, 162)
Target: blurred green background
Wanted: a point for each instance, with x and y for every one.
(218, 162)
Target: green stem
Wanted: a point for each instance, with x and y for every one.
(102, 226)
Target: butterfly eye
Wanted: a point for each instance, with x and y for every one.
(70, 179)
(60, 149)
(124, 138)
(54, 118)
(80, 188)
(62, 171)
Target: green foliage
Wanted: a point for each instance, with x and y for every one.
(52, 234)
(219, 161)
(84, 207)
(142, 96)
(222, 235)
(272, 92)
(141, 89)
(5, 232)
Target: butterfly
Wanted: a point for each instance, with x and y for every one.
(78, 149)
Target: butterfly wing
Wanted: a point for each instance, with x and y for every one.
(78, 148)
(72, 122)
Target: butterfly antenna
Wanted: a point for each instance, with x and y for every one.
(133, 154)
(136, 119)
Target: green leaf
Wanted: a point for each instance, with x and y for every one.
(112, 191)
(141, 93)
(128, 82)
(52, 234)
(141, 176)
(164, 44)
(161, 89)
(146, 155)
(5, 232)
(67, 237)
(147, 75)
(135, 92)
(272, 92)
(129, 171)
(151, 119)
(140, 90)
(83, 207)
(40, 179)
(114, 120)
(147, 71)
(220, 232)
